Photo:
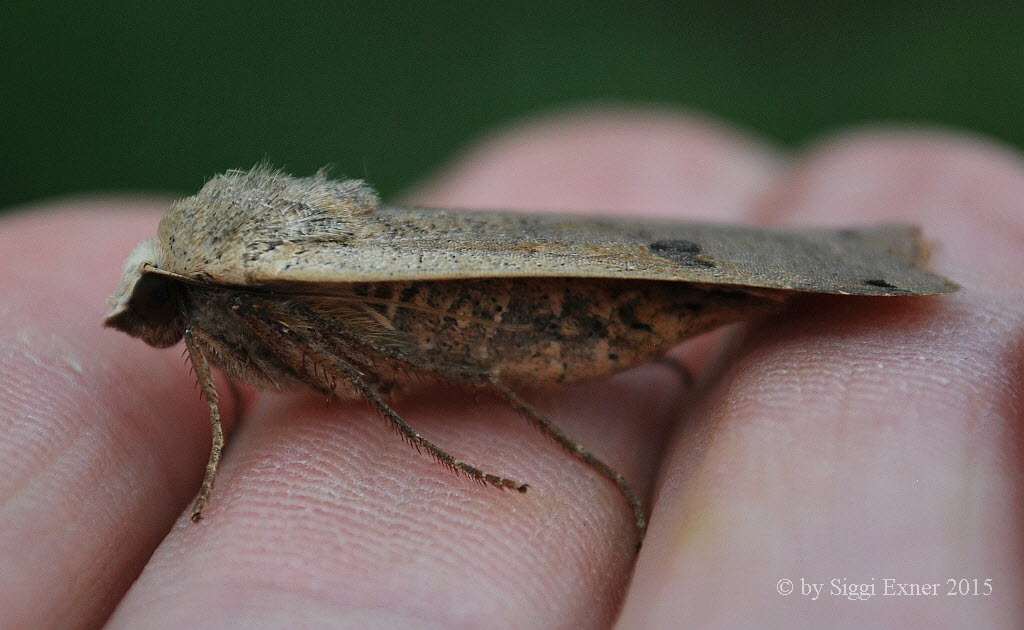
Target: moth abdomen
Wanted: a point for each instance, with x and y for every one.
(542, 331)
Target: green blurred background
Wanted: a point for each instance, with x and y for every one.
(159, 96)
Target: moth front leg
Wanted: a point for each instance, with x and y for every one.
(193, 342)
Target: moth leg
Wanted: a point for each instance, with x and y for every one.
(520, 405)
(576, 449)
(202, 369)
(420, 442)
(517, 403)
(263, 327)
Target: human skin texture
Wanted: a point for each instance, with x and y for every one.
(850, 439)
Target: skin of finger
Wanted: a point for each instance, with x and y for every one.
(862, 440)
(101, 437)
(324, 514)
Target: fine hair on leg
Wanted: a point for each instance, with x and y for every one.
(465, 374)
(576, 449)
(194, 340)
(300, 344)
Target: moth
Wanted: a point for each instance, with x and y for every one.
(311, 282)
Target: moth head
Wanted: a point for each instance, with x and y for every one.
(146, 304)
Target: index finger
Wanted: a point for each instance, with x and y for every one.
(101, 437)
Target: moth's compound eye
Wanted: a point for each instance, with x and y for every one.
(155, 299)
(152, 312)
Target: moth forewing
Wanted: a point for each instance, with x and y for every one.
(286, 281)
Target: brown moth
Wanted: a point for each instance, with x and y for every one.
(285, 281)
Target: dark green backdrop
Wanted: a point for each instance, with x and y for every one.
(160, 95)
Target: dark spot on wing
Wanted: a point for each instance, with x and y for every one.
(882, 284)
(675, 247)
(681, 252)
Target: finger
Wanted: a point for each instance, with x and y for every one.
(101, 437)
(862, 439)
(324, 515)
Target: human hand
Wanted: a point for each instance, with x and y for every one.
(850, 438)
